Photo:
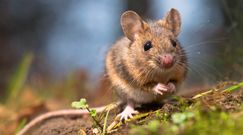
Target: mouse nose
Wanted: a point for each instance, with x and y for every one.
(166, 60)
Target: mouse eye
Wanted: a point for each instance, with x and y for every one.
(173, 42)
(147, 45)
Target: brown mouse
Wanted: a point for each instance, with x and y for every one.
(148, 64)
(145, 66)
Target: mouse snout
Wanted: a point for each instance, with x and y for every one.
(166, 60)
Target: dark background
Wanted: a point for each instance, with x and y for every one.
(69, 38)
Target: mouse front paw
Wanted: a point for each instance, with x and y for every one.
(171, 87)
(162, 88)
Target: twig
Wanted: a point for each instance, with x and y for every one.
(117, 123)
(202, 94)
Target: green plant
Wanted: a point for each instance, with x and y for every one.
(234, 87)
(82, 104)
(152, 128)
(162, 116)
(180, 118)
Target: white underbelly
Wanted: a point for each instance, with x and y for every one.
(140, 96)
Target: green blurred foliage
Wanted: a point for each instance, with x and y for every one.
(18, 79)
(231, 59)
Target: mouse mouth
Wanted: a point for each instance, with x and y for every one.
(165, 62)
(165, 66)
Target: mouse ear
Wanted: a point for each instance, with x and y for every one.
(132, 24)
(172, 21)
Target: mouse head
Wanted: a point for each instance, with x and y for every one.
(155, 43)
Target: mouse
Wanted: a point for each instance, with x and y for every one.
(147, 65)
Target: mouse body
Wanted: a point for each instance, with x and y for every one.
(148, 64)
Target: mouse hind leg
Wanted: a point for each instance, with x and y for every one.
(129, 104)
(129, 111)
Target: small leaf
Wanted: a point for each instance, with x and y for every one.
(82, 104)
(83, 101)
(75, 104)
(93, 112)
(178, 118)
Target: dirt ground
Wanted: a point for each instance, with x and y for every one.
(227, 102)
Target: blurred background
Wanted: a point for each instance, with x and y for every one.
(56, 49)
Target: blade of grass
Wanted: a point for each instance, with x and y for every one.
(234, 87)
(19, 78)
(105, 122)
(230, 89)
(21, 125)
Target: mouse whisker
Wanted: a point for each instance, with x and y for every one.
(205, 42)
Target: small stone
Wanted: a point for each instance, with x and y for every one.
(95, 131)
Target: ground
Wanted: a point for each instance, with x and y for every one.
(218, 111)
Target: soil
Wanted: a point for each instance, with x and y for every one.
(61, 126)
(228, 102)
